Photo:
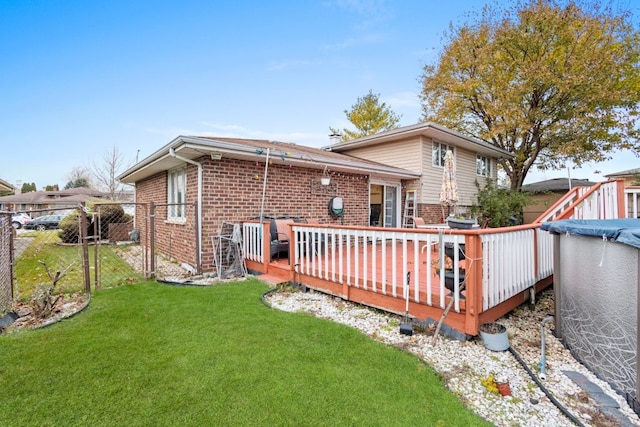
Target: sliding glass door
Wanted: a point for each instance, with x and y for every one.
(384, 205)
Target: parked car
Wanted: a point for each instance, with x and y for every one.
(19, 220)
(47, 222)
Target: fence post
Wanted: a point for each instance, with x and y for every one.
(85, 247)
(12, 260)
(96, 247)
(152, 239)
(473, 247)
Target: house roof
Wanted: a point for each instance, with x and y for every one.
(5, 186)
(630, 172)
(193, 147)
(556, 185)
(428, 129)
(72, 195)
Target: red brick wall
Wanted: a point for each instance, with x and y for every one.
(176, 240)
(433, 214)
(232, 192)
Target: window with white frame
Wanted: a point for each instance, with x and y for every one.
(438, 153)
(483, 166)
(176, 193)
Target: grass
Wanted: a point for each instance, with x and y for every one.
(159, 355)
(46, 247)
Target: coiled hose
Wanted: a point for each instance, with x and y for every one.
(553, 400)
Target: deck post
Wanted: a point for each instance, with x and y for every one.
(473, 246)
(266, 244)
(621, 198)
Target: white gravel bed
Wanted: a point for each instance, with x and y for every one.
(463, 365)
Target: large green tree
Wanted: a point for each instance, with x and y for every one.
(550, 81)
(369, 116)
(28, 187)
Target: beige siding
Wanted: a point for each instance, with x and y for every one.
(465, 161)
(404, 154)
(415, 154)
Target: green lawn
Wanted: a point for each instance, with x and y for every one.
(159, 355)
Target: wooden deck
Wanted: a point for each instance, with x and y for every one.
(386, 268)
(371, 265)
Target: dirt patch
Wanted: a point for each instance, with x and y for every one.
(65, 307)
(134, 255)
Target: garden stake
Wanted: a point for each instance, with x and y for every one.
(543, 361)
(406, 328)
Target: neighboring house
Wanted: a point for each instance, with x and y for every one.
(6, 188)
(632, 189)
(422, 148)
(631, 177)
(43, 200)
(543, 194)
(224, 178)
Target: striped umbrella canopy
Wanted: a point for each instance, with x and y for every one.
(449, 189)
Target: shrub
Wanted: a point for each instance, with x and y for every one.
(499, 205)
(70, 228)
(105, 214)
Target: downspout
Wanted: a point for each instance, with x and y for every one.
(172, 153)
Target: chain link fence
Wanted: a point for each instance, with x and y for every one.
(118, 255)
(101, 244)
(6, 262)
(44, 250)
(142, 241)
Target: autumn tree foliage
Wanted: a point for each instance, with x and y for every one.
(550, 81)
(369, 116)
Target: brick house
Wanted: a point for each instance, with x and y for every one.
(223, 180)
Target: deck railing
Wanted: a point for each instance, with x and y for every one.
(380, 260)
(399, 265)
(496, 264)
(252, 233)
(631, 201)
(600, 201)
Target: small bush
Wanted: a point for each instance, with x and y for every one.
(499, 205)
(105, 214)
(70, 228)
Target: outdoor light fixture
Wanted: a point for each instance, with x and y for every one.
(216, 156)
(326, 179)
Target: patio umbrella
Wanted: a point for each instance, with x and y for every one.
(449, 189)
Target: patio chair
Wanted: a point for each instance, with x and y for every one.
(418, 222)
(279, 237)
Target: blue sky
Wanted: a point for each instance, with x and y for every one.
(79, 77)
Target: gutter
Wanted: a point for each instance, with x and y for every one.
(172, 153)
